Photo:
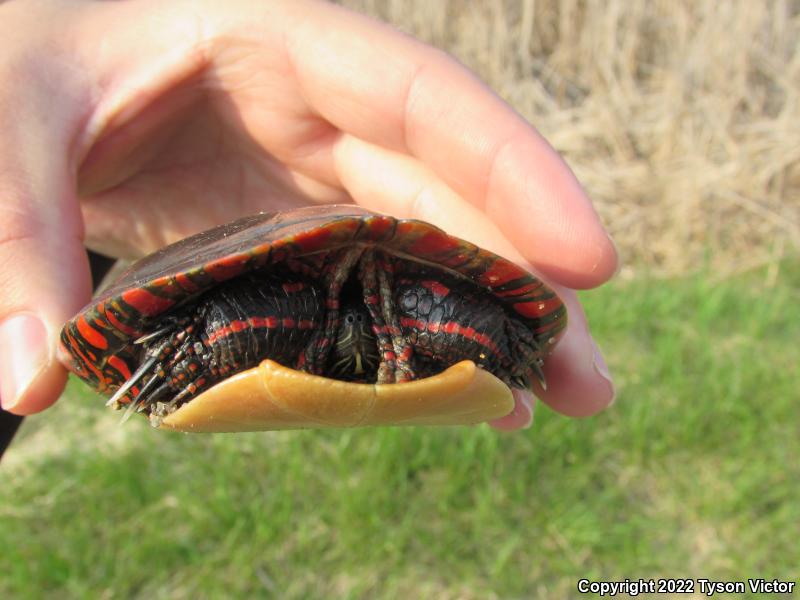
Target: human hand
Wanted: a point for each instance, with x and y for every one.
(128, 125)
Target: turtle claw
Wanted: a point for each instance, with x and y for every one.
(132, 380)
(536, 369)
(524, 380)
(154, 334)
(145, 394)
(128, 412)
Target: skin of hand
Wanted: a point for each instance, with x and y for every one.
(128, 125)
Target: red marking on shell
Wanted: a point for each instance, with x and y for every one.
(121, 367)
(89, 365)
(536, 308)
(90, 334)
(288, 322)
(166, 286)
(500, 272)
(316, 239)
(546, 328)
(225, 268)
(457, 259)
(437, 288)
(111, 316)
(431, 244)
(260, 255)
(377, 227)
(185, 283)
(145, 302)
(71, 363)
(305, 324)
(528, 289)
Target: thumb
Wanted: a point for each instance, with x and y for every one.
(43, 265)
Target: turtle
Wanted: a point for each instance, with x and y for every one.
(339, 303)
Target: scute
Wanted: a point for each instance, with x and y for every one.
(271, 397)
(239, 239)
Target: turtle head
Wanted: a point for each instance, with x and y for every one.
(354, 356)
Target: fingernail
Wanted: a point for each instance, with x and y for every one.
(526, 399)
(23, 355)
(600, 366)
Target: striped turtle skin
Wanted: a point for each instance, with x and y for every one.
(337, 290)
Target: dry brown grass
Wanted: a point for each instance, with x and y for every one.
(681, 118)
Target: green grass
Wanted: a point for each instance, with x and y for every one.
(694, 472)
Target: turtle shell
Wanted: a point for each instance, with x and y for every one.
(97, 344)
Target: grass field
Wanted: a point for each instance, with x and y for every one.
(692, 473)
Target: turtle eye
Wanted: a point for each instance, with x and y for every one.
(360, 318)
(349, 319)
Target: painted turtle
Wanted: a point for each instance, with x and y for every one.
(307, 318)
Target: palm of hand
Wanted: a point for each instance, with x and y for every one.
(212, 151)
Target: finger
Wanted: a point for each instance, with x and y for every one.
(43, 264)
(520, 417)
(578, 383)
(400, 94)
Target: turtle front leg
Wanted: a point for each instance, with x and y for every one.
(176, 363)
(163, 347)
(315, 356)
(375, 275)
(526, 353)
